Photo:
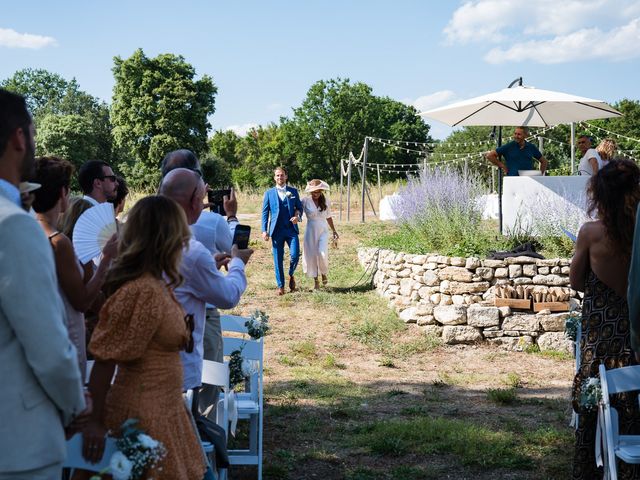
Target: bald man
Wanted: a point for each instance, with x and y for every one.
(203, 282)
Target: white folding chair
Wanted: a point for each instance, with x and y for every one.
(76, 460)
(233, 323)
(250, 403)
(624, 447)
(217, 375)
(87, 375)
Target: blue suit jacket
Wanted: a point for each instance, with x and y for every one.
(271, 208)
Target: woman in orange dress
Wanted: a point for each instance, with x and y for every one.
(142, 329)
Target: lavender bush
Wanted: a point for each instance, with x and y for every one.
(439, 206)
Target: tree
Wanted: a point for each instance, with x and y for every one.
(70, 123)
(43, 90)
(157, 107)
(218, 163)
(334, 119)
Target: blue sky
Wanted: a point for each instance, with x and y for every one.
(264, 55)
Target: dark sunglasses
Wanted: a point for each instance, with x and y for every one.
(108, 177)
(190, 324)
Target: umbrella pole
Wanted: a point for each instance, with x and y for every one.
(500, 184)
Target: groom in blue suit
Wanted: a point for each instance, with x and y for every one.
(281, 211)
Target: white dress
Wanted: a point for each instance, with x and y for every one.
(315, 251)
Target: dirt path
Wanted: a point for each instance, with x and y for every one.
(331, 376)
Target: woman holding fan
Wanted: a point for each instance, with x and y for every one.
(77, 290)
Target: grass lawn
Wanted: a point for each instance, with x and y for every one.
(351, 392)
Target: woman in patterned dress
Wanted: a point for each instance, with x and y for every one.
(142, 329)
(599, 269)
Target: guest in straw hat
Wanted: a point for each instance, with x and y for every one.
(315, 253)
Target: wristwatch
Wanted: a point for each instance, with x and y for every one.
(232, 218)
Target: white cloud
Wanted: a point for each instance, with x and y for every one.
(547, 31)
(434, 100)
(241, 130)
(481, 20)
(617, 44)
(12, 39)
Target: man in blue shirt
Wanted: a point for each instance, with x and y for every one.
(518, 154)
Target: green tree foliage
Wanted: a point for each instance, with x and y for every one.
(158, 106)
(335, 118)
(70, 123)
(627, 125)
(466, 148)
(44, 91)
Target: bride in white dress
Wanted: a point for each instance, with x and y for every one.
(315, 251)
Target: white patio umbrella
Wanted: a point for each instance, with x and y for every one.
(522, 106)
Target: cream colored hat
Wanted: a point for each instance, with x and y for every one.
(27, 187)
(315, 185)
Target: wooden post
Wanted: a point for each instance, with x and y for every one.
(573, 147)
(349, 189)
(364, 176)
(379, 186)
(341, 183)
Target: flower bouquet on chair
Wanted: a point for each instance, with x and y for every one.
(257, 325)
(136, 453)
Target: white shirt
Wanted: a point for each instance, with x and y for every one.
(282, 191)
(214, 232)
(204, 283)
(11, 191)
(584, 168)
(91, 200)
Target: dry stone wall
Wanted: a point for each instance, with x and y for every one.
(453, 297)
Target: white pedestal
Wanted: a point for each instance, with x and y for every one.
(529, 201)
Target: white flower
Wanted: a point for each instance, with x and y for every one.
(593, 382)
(147, 442)
(120, 466)
(288, 194)
(249, 367)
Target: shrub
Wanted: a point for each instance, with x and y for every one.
(439, 210)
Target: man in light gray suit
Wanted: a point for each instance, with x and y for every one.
(40, 385)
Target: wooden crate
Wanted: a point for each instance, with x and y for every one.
(513, 303)
(553, 306)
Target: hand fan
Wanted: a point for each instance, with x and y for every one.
(92, 231)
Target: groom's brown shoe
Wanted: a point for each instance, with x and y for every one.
(292, 283)
(280, 290)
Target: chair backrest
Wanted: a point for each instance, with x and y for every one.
(615, 380)
(215, 373)
(233, 323)
(250, 350)
(618, 380)
(76, 460)
(87, 375)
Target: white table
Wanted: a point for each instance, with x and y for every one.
(529, 201)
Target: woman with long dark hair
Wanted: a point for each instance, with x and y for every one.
(599, 268)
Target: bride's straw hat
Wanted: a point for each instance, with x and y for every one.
(315, 185)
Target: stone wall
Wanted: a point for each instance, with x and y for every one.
(453, 297)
